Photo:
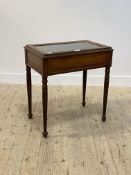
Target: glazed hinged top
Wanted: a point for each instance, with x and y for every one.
(67, 48)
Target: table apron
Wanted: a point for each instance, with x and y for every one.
(78, 62)
(35, 62)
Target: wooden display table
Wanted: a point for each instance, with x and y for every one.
(55, 58)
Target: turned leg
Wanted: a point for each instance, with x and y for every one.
(84, 86)
(29, 91)
(105, 95)
(44, 101)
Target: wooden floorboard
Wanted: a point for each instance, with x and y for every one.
(79, 143)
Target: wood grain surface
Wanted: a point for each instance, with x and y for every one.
(78, 142)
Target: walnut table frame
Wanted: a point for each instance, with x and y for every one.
(54, 58)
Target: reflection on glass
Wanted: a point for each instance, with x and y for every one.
(67, 47)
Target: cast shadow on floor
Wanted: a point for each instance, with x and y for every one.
(74, 120)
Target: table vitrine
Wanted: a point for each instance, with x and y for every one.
(63, 57)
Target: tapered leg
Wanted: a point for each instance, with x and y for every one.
(84, 86)
(44, 101)
(29, 90)
(105, 95)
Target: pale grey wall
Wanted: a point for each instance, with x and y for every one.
(38, 21)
